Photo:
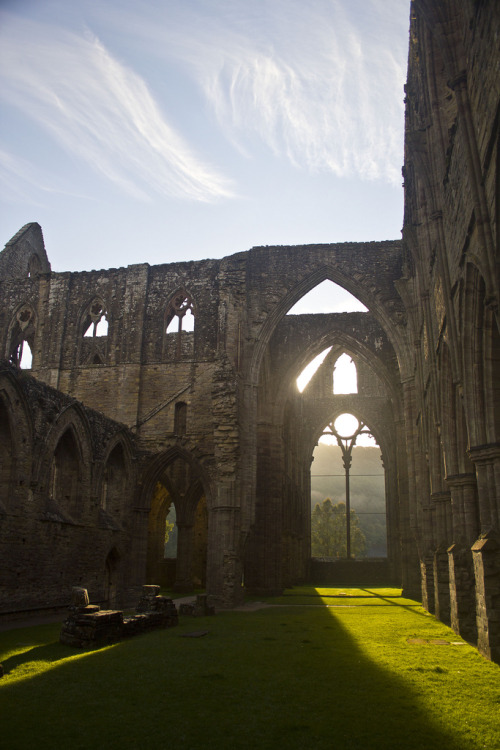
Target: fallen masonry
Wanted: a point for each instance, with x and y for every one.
(87, 625)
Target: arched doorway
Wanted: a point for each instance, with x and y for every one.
(177, 524)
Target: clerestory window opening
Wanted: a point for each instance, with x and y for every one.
(345, 376)
(96, 322)
(180, 315)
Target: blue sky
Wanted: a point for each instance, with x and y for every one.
(167, 130)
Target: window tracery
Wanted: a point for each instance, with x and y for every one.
(94, 332)
(22, 338)
(179, 321)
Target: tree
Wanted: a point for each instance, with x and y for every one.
(329, 531)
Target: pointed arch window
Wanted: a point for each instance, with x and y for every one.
(180, 418)
(34, 266)
(94, 333)
(22, 338)
(345, 376)
(95, 322)
(65, 473)
(179, 320)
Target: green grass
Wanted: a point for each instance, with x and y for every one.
(314, 677)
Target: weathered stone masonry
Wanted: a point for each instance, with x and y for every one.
(126, 411)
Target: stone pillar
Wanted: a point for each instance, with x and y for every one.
(183, 570)
(486, 555)
(264, 570)
(427, 579)
(461, 567)
(225, 542)
(409, 512)
(486, 460)
(441, 569)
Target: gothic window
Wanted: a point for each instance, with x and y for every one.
(34, 266)
(180, 418)
(95, 321)
(180, 321)
(22, 338)
(345, 378)
(65, 473)
(94, 332)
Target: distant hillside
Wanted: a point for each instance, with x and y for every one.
(367, 492)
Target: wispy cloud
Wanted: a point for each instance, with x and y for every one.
(313, 81)
(100, 110)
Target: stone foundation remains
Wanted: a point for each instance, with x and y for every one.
(87, 626)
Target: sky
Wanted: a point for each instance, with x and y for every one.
(171, 130)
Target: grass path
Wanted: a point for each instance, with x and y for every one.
(363, 669)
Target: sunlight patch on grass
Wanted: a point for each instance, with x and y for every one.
(287, 676)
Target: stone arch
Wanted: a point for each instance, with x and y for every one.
(157, 465)
(174, 477)
(64, 468)
(357, 411)
(348, 282)
(116, 478)
(341, 342)
(389, 495)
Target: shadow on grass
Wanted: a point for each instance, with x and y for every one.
(276, 678)
(414, 608)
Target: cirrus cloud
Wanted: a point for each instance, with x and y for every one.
(100, 110)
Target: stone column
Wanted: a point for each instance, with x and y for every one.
(225, 542)
(486, 555)
(486, 459)
(460, 562)
(411, 572)
(441, 567)
(264, 574)
(486, 550)
(183, 572)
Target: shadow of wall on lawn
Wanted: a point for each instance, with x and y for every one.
(279, 677)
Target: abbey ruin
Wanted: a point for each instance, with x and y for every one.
(125, 412)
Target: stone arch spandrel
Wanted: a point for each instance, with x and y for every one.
(333, 333)
(349, 405)
(116, 479)
(367, 271)
(155, 468)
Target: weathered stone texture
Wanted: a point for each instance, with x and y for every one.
(210, 422)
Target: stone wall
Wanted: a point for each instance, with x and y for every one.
(209, 420)
(451, 289)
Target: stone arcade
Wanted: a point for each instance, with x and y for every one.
(119, 418)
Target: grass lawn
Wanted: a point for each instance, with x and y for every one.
(370, 670)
